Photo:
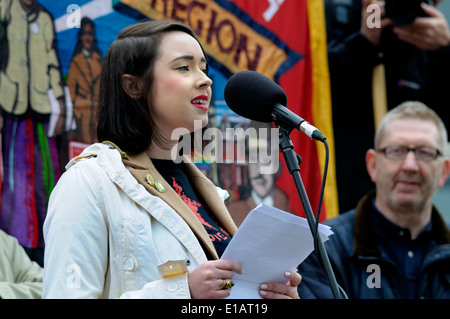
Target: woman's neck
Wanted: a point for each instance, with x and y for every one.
(155, 151)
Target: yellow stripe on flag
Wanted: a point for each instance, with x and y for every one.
(321, 100)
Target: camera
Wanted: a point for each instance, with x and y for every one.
(404, 12)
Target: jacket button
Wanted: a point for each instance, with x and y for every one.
(188, 262)
(130, 264)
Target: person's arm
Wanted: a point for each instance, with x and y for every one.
(314, 284)
(352, 41)
(432, 34)
(21, 277)
(76, 237)
(54, 71)
(339, 248)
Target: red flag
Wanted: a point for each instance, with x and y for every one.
(301, 25)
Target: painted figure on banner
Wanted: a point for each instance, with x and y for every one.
(32, 109)
(83, 81)
(258, 187)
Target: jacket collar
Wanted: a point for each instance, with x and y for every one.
(140, 165)
(365, 243)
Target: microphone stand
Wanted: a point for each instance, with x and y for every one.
(292, 163)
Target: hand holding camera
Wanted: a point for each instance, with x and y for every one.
(428, 33)
(404, 12)
(416, 22)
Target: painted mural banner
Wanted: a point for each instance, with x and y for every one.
(51, 60)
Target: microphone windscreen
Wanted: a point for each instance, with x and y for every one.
(253, 95)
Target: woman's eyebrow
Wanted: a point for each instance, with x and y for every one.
(187, 57)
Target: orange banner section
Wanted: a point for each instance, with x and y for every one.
(224, 36)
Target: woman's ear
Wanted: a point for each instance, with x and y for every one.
(130, 85)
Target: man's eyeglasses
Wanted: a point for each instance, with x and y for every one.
(423, 153)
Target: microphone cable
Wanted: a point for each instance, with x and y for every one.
(316, 226)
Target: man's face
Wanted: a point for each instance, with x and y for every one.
(409, 183)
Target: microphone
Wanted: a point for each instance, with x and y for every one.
(256, 97)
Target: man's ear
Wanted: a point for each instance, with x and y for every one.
(445, 172)
(371, 164)
(130, 85)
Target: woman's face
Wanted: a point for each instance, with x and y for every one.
(181, 90)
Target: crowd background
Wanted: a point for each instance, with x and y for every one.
(442, 200)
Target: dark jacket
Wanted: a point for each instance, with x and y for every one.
(353, 248)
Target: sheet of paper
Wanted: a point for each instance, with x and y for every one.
(268, 243)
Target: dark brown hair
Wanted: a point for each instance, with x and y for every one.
(123, 120)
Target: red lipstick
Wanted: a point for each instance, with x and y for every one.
(201, 102)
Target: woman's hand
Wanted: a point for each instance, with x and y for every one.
(206, 281)
(282, 291)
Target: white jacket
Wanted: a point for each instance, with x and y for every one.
(107, 230)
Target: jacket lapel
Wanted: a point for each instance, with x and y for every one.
(364, 243)
(142, 165)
